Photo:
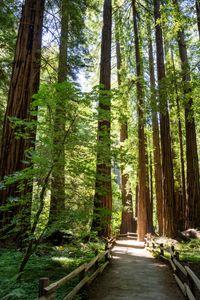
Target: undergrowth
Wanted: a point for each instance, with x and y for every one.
(52, 262)
(189, 251)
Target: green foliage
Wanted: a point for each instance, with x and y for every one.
(78, 37)
(8, 22)
(78, 145)
(49, 262)
(190, 251)
(117, 207)
(78, 142)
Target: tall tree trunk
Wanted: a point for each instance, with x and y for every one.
(57, 204)
(193, 185)
(156, 139)
(167, 164)
(24, 83)
(127, 224)
(136, 197)
(149, 199)
(198, 15)
(143, 206)
(151, 227)
(103, 186)
(182, 209)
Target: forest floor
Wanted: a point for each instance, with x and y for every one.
(49, 261)
(135, 274)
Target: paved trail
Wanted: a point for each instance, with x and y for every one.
(135, 274)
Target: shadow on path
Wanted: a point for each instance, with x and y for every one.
(134, 274)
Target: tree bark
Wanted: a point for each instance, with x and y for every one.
(57, 204)
(150, 193)
(127, 223)
(183, 204)
(156, 139)
(167, 163)
(143, 197)
(24, 83)
(103, 185)
(193, 185)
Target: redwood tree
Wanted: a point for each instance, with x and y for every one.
(143, 186)
(57, 203)
(167, 164)
(182, 203)
(24, 83)
(156, 137)
(103, 187)
(127, 221)
(193, 184)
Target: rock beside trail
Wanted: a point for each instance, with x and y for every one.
(190, 233)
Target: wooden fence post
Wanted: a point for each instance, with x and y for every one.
(107, 254)
(176, 255)
(153, 245)
(162, 249)
(43, 282)
(173, 251)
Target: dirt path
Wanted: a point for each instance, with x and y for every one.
(135, 274)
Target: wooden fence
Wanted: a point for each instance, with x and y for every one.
(129, 235)
(186, 279)
(87, 272)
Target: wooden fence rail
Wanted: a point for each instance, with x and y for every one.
(87, 272)
(186, 279)
(129, 235)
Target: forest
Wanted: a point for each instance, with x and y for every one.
(99, 129)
